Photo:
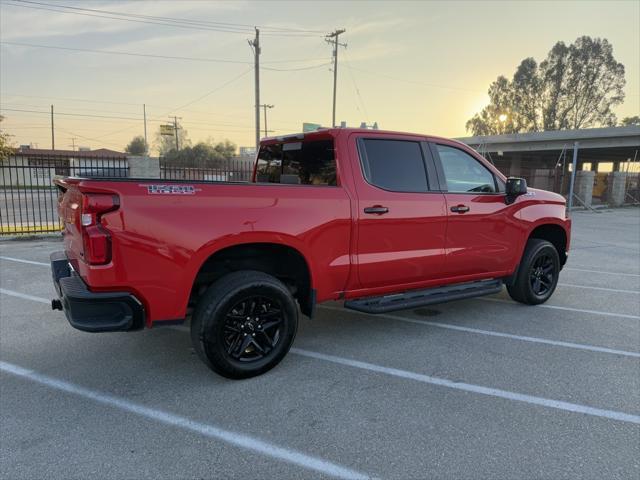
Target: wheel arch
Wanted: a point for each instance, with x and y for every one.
(282, 260)
(555, 234)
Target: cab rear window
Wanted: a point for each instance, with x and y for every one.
(298, 163)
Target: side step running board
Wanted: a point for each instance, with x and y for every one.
(419, 298)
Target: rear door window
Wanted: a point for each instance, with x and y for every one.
(395, 165)
(298, 163)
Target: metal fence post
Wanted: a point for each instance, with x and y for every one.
(574, 165)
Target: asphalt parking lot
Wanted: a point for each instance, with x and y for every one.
(482, 388)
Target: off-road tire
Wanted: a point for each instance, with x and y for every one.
(215, 311)
(539, 255)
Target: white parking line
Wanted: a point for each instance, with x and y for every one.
(467, 387)
(492, 333)
(19, 260)
(569, 309)
(617, 290)
(211, 431)
(24, 296)
(545, 402)
(601, 271)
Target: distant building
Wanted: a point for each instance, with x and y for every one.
(545, 158)
(37, 167)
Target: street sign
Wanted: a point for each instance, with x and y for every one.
(167, 130)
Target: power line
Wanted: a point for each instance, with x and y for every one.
(174, 109)
(142, 19)
(150, 55)
(86, 100)
(174, 19)
(312, 67)
(220, 87)
(129, 54)
(89, 138)
(71, 99)
(355, 86)
(88, 115)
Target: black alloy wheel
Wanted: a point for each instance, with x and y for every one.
(542, 274)
(252, 328)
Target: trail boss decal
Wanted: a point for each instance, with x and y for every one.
(171, 189)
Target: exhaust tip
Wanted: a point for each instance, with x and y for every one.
(56, 304)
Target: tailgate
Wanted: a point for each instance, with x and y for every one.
(69, 211)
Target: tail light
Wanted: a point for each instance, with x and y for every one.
(95, 238)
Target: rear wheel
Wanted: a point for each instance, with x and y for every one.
(537, 275)
(244, 324)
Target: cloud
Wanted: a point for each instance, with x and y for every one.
(358, 28)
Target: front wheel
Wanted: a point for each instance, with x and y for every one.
(244, 324)
(537, 275)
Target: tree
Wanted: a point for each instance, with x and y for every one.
(5, 143)
(137, 146)
(628, 121)
(576, 86)
(166, 143)
(203, 155)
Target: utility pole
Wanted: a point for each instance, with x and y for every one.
(144, 113)
(255, 44)
(265, 106)
(574, 165)
(53, 137)
(73, 143)
(175, 131)
(332, 38)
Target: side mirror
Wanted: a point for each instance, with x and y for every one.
(514, 188)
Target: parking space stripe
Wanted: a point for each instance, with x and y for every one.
(468, 387)
(588, 287)
(211, 431)
(19, 260)
(201, 428)
(24, 296)
(569, 309)
(601, 271)
(492, 333)
(31, 262)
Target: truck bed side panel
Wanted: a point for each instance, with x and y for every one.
(160, 240)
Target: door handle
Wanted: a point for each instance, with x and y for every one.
(460, 209)
(377, 210)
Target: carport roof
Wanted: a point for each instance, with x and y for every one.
(609, 137)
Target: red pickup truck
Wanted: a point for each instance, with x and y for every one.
(382, 220)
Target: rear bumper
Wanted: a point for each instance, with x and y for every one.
(89, 311)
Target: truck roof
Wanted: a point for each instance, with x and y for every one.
(337, 131)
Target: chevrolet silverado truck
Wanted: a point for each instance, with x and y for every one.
(380, 220)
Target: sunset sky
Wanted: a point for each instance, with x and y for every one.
(414, 66)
